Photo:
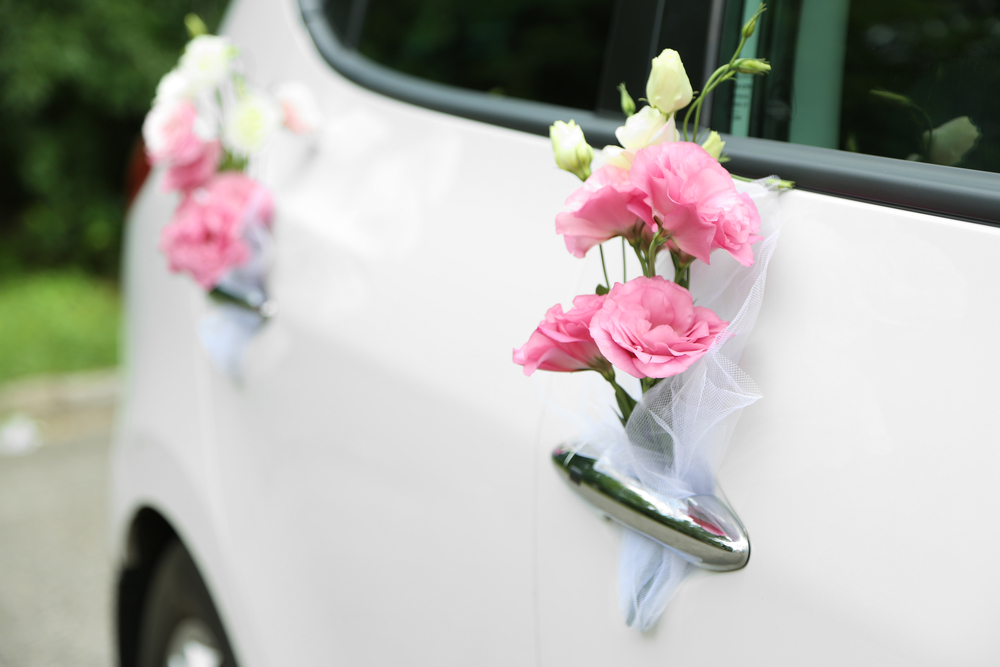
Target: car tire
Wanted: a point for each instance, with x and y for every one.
(180, 626)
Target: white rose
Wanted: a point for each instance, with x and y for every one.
(648, 127)
(668, 88)
(300, 110)
(952, 140)
(714, 144)
(251, 123)
(571, 149)
(206, 60)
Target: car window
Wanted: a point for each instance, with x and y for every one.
(551, 51)
(909, 79)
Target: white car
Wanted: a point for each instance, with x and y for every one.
(378, 488)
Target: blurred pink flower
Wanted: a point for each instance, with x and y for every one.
(169, 133)
(562, 341)
(694, 199)
(205, 237)
(649, 327)
(602, 208)
(300, 109)
(190, 175)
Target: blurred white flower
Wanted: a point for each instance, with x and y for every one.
(714, 144)
(173, 86)
(300, 109)
(251, 123)
(572, 152)
(646, 128)
(952, 140)
(668, 88)
(206, 59)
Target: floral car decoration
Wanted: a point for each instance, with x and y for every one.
(206, 125)
(663, 192)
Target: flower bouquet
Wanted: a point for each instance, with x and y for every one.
(664, 193)
(205, 126)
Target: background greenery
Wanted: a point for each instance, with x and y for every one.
(76, 79)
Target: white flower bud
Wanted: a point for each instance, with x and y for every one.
(251, 123)
(646, 128)
(572, 152)
(668, 88)
(206, 60)
(952, 140)
(300, 110)
(714, 144)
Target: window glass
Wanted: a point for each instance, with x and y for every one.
(551, 51)
(909, 79)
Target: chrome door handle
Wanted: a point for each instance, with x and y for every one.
(700, 529)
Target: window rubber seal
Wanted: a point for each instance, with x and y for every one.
(952, 192)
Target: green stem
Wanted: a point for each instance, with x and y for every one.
(648, 383)
(682, 271)
(710, 85)
(625, 402)
(607, 283)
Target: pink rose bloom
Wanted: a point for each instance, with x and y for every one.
(562, 341)
(601, 209)
(169, 133)
(205, 237)
(190, 175)
(694, 198)
(649, 327)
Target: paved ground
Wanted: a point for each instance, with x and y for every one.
(55, 565)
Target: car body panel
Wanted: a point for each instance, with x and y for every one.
(377, 489)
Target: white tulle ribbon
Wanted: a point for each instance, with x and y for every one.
(228, 328)
(676, 437)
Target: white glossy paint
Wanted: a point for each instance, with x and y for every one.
(378, 492)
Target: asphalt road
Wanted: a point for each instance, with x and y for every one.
(55, 561)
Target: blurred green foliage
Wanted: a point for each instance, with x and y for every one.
(57, 322)
(76, 79)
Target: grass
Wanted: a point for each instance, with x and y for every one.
(57, 322)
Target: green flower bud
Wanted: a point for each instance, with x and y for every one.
(751, 66)
(195, 26)
(572, 152)
(628, 106)
(751, 25)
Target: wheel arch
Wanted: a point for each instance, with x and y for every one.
(148, 535)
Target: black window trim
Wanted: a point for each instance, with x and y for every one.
(951, 192)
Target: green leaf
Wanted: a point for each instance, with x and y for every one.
(601, 290)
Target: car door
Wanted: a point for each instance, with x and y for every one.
(385, 468)
(872, 456)
(377, 460)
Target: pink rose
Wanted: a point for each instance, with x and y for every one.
(169, 133)
(190, 175)
(562, 341)
(649, 327)
(601, 209)
(694, 199)
(205, 237)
